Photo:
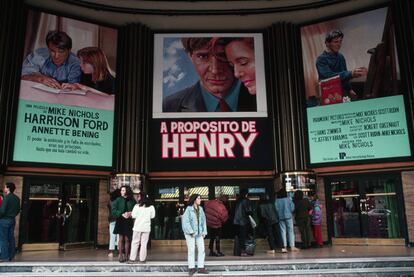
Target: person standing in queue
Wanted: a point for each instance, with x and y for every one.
(241, 220)
(217, 215)
(195, 229)
(121, 209)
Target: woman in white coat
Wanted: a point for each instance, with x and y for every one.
(142, 212)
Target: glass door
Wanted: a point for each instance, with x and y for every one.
(380, 209)
(57, 215)
(77, 207)
(367, 207)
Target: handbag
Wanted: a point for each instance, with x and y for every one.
(252, 222)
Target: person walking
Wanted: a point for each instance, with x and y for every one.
(9, 209)
(285, 208)
(142, 212)
(216, 215)
(121, 209)
(302, 208)
(195, 229)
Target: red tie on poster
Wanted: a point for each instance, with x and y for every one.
(224, 107)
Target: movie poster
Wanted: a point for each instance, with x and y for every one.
(209, 102)
(67, 92)
(355, 106)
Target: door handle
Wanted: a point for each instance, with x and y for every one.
(68, 207)
(363, 206)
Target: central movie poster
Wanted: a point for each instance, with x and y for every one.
(209, 103)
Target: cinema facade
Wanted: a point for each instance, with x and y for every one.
(67, 151)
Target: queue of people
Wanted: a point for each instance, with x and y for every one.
(133, 215)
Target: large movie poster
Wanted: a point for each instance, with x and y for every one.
(209, 103)
(67, 92)
(355, 106)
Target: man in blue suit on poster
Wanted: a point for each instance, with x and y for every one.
(217, 89)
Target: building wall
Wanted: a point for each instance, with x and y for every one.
(103, 225)
(408, 194)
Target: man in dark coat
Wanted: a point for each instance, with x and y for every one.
(9, 209)
(217, 90)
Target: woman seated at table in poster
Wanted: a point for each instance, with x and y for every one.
(96, 73)
(240, 54)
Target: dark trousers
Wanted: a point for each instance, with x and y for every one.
(242, 234)
(7, 241)
(305, 231)
(273, 236)
(215, 235)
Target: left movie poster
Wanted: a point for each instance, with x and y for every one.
(67, 92)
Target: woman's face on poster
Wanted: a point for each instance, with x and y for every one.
(241, 57)
(86, 68)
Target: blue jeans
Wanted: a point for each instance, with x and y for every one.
(286, 228)
(7, 241)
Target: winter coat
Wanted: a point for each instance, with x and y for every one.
(142, 216)
(284, 208)
(119, 204)
(302, 208)
(243, 210)
(191, 225)
(267, 211)
(316, 213)
(216, 213)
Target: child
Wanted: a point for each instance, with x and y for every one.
(316, 218)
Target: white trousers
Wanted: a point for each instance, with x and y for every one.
(139, 238)
(191, 243)
(113, 238)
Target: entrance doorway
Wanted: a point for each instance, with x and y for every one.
(58, 214)
(365, 207)
(171, 199)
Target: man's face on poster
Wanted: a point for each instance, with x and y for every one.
(216, 75)
(334, 45)
(58, 55)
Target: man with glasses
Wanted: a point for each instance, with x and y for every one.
(217, 89)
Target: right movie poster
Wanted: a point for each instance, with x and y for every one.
(355, 105)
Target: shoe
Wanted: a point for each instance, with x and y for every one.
(220, 254)
(130, 262)
(244, 254)
(142, 262)
(294, 249)
(283, 250)
(213, 254)
(203, 271)
(191, 271)
(122, 258)
(270, 251)
(110, 254)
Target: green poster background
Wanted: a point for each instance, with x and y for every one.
(52, 133)
(367, 129)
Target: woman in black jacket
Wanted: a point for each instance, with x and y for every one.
(241, 219)
(268, 215)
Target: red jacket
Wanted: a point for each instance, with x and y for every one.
(216, 213)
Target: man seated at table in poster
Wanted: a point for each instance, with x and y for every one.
(217, 89)
(332, 63)
(55, 65)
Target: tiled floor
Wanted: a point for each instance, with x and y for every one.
(176, 253)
